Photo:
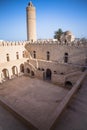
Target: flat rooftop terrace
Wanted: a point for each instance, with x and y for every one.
(33, 98)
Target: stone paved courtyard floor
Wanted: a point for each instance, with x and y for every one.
(9, 122)
(33, 98)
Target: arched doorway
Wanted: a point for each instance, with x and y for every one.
(14, 71)
(22, 68)
(5, 74)
(68, 84)
(48, 74)
(32, 73)
(28, 70)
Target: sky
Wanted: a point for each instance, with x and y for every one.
(50, 16)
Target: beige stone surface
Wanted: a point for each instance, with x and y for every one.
(34, 98)
(9, 122)
(75, 116)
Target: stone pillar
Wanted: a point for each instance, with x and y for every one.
(10, 73)
(31, 22)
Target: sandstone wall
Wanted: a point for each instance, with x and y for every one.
(76, 54)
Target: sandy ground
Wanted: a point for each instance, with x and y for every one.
(34, 98)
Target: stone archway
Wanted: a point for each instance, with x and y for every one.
(22, 68)
(32, 73)
(48, 74)
(5, 74)
(15, 70)
(68, 84)
(28, 70)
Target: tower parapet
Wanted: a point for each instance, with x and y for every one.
(31, 22)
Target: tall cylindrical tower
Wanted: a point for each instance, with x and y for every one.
(31, 22)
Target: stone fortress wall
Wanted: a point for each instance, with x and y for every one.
(57, 50)
(11, 48)
(61, 67)
(31, 58)
(57, 61)
(12, 58)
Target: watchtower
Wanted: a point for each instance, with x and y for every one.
(31, 22)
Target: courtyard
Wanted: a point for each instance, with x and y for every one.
(33, 98)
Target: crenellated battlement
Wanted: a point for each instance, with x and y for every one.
(12, 43)
(77, 43)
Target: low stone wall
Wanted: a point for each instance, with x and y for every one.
(58, 79)
(17, 115)
(64, 103)
(73, 77)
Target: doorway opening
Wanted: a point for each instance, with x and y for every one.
(48, 74)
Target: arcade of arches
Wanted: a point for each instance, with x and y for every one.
(6, 73)
(30, 72)
(15, 71)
